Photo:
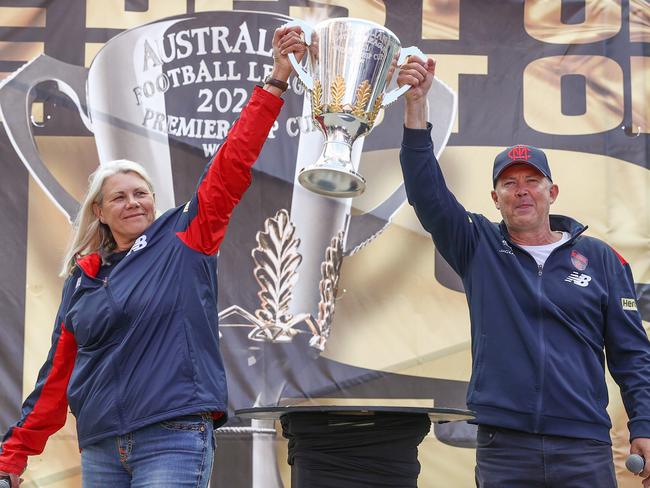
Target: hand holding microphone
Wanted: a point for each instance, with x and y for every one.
(635, 463)
(9, 480)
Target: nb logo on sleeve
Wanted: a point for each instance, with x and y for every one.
(140, 243)
(578, 279)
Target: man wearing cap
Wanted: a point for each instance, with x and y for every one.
(548, 306)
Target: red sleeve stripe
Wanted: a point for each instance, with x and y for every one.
(229, 174)
(620, 258)
(49, 412)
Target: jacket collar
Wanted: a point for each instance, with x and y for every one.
(90, 264)
(558, 222)
(567, 224)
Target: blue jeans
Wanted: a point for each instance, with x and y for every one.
(171, 454)
(512, 459)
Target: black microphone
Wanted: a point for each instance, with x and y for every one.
(5, 482)
(634, 463)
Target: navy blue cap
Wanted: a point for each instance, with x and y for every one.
(520, 154)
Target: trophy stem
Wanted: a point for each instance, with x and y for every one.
(333, 174)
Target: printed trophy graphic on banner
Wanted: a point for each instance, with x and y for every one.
(166, 93)
(350, 63)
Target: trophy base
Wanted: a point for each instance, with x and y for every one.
(332, 182)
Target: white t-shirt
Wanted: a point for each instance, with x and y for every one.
(540, 253)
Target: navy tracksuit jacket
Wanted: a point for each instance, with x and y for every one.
(540, 336)
(142, 345)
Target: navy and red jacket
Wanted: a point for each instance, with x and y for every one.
(540, 335)
(142, 345)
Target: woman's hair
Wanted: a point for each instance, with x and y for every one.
(89, 234)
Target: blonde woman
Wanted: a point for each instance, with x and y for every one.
(135, 349)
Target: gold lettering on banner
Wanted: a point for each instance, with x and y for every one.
(373, 10)
(543, 94)
(543, 21)
(639, 21)
(112, 13)
(640, 81)
(19, 51)
(441, 19)
(22, 51)
(451, 66)
(91, 50)
(208, 5)
(22, 17)
(38, 113)
(7, 52)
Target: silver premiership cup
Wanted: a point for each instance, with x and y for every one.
(349, 65)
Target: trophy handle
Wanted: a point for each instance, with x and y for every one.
(302, 73)
(363, 228)
(395, 93)
(16, 97)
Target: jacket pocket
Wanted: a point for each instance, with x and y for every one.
(486, 436)
(160, 377)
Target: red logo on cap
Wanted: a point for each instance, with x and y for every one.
(519, 153)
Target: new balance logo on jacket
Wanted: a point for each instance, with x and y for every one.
(140, 243)
(578, 279)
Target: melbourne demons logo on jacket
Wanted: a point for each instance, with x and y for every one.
(579, 261)
(519, 153)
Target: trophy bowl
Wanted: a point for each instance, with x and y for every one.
(349, 65)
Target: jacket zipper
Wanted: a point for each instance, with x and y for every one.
(539, 387)
(111, 301)
(115, 309)
(116, 371)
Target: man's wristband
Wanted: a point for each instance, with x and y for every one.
(279, 84)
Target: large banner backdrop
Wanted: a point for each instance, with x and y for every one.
(320, 300)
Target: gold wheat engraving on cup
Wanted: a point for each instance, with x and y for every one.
(375, 110)
(317, 99)
(337, 91)
(361, 99)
